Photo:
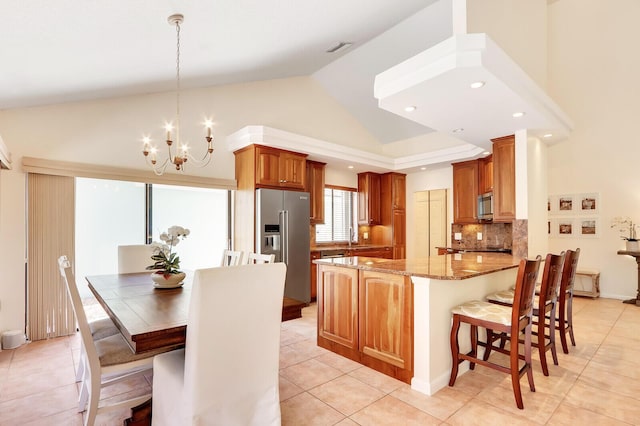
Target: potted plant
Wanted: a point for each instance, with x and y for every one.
(166, 266)
(627, 232)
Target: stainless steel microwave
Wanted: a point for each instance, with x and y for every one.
(485, 206)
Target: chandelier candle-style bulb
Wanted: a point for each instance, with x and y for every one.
(182, 154)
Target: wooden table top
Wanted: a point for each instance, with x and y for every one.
(149, 318)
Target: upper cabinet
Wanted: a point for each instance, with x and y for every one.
(393, 215)
(368, 198)
(279, 168)
(465, 192)
(315, 187)
(485, 175)
(504, 179)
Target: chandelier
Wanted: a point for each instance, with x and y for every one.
(180, 157)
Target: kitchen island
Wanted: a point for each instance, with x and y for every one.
(394, 315)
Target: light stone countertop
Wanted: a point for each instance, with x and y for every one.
(457, 266)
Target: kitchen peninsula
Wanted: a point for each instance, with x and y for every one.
(394, 315)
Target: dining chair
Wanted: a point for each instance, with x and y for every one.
(226, 375)
(253, 258)
(513, 320)
(108, 361)
(565, 298)
(231, 258)
(544, 307)
(134, 258)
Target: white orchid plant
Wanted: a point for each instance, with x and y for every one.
(626, 227)
(166, 261)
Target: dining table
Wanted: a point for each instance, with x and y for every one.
(148, 317)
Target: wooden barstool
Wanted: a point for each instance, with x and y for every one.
(544, 308)
(507, 319)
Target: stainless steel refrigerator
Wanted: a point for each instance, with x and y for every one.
(282, 229)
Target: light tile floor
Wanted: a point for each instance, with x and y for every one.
(596, 383)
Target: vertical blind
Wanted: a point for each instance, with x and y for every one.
(50, 230)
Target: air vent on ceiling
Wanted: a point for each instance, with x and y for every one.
(343, 45)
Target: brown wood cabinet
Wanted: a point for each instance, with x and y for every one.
(465, 192)
(367, 317)
(338, 310)
(315, 187)
(386, 321)
(279, 168)
(381, 252)
(504, 179)
(314, 275)
(393, 213)
(368, 198)
(485, 175)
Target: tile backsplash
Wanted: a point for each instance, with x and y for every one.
(494, 235)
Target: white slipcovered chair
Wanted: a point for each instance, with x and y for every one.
(231, 258)
(108, 360)
(253, 258)
(228, 372)
(134, 258)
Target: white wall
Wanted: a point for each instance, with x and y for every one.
(518, 27)
(441, 178)
(593, 75)
(108, 132)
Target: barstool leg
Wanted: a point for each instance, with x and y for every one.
(515, 371)
(455, 349)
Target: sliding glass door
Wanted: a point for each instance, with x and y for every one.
(111, 213)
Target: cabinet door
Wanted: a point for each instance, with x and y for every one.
(338, 306)
(315, 187)
(399, 233)
(267, 167)
(368, 198)
(314, 275)
(293, 173)
(398, 191)
(465, 192)
(386, 318)
(485, 175)
(504, 179)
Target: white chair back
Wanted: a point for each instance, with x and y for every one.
(134, 258)
(230, 383)
(231, 258)
(253, 258)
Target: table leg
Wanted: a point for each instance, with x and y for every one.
(636, 301)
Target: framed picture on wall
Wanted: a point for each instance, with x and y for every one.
(563, 228)
(566, 204)
(588, 227)
(588, 203)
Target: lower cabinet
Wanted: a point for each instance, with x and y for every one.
(338, 309)
(368, 317)
(314, 275)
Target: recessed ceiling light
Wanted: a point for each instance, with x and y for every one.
(518, 114)
(548, 135)
(343, 45)
(423, 168)
(458, 130)
(486, 153)
(477, 84)
(411, 108)
(349, 167)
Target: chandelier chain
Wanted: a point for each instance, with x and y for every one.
(178, 81)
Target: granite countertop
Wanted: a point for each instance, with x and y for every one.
(346, 247)
(477, 250)
(459, 266)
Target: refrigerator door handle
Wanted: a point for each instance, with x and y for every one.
(285, 237)
(282, 219)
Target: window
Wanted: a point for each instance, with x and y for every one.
(339, 216)
(111, 213)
